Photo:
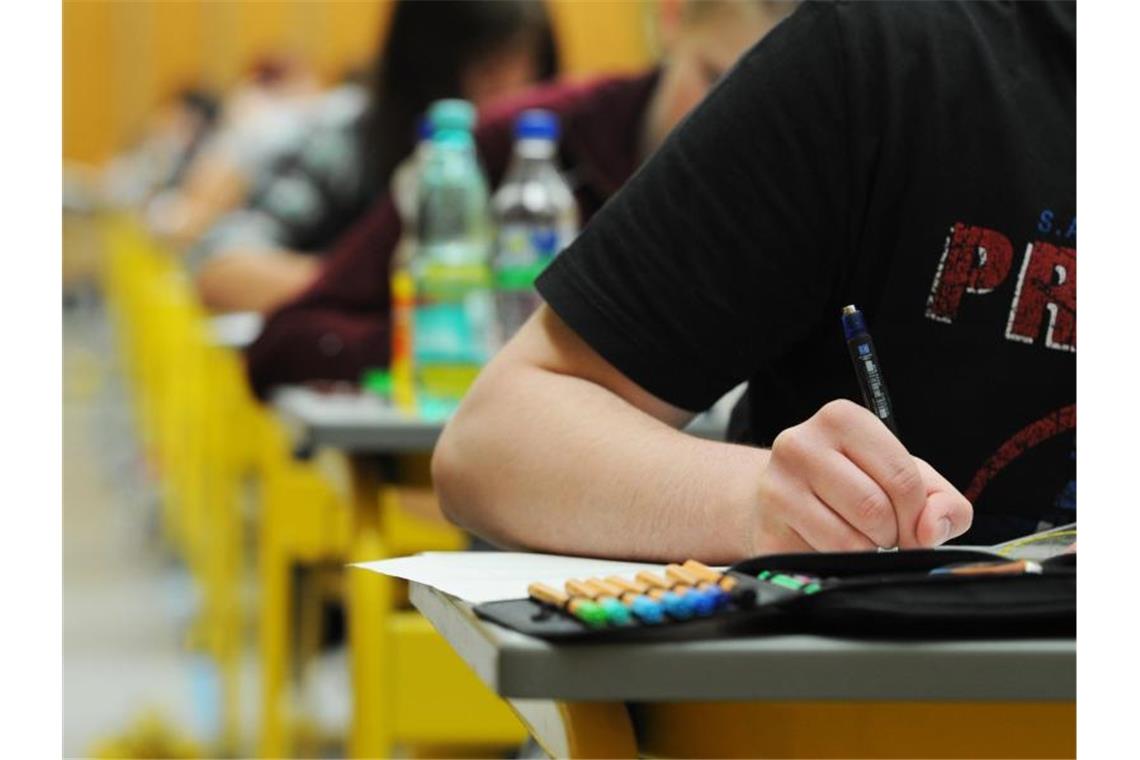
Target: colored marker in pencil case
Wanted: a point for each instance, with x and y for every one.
(616, 612)
(717, 596)
(678, 603)
(586, 610)
(643, 608)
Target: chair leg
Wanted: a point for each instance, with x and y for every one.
(275, 616)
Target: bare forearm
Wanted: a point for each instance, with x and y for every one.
(261, 281)
(554, 449)
(614, 481)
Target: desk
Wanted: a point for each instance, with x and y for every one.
(362, 423)
(397, 661)
(352, 422)
(780, 695)
(363, 434)
(236, 330)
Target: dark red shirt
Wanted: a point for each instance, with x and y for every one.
(340, 325)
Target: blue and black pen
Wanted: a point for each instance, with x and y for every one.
(868, 371)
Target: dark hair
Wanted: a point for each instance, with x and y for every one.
(429, 47)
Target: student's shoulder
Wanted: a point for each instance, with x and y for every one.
(563, 97)
(890, 19)
(567, 98)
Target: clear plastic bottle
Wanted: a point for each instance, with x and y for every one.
(405, 191)
(453, 321)
(536, 217)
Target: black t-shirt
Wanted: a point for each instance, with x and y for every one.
(915, 159)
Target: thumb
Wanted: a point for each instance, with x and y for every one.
(947, 513)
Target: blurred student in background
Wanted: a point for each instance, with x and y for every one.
(263, 118)
(340, 325)
(267, 252)
(159, 158)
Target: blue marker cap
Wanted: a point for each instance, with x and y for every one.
(853, 322)
(703, 601)
(537, 124)
(680, 607)
(647, 610)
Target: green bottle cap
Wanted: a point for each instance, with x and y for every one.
(377, 380)
(452, 114)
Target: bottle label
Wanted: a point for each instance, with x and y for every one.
(453, 316)
(520, 277)
(524, 251)
(525, 242)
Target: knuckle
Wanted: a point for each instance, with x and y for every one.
(873, 508)
(905, 479)
(837, 414)
(791, 443)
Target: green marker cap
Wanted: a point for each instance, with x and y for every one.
(786, 581)
(591, 613)
(616, 612)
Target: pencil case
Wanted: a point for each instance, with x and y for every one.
(917, 594)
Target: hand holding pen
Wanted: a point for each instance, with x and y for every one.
(842, 480)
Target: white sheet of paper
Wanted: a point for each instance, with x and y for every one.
(490, 576)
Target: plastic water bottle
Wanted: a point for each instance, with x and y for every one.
(536, 217)
(405, 192)
(453, 321)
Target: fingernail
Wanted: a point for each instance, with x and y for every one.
(944, 529)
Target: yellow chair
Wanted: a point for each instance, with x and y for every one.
(403, 674)
(209, 443)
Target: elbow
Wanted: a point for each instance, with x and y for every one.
(210, 284)
(449, 475)
(465, 485)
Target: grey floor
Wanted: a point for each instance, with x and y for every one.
(127, 601)
(127, 604)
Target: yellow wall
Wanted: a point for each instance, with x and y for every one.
(120, 58)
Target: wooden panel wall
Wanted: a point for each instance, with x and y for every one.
(120, 58)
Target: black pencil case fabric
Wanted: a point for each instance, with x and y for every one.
(865, 594)
(894, 594)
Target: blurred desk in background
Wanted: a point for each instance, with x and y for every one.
(375, 456)
(356, 422)
(778, 696)
(236, 330)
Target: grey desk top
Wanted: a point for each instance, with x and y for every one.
(758, 668)
(354, 422)
(361, 423)
(236, 330)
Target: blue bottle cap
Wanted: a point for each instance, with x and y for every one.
(537, 124)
